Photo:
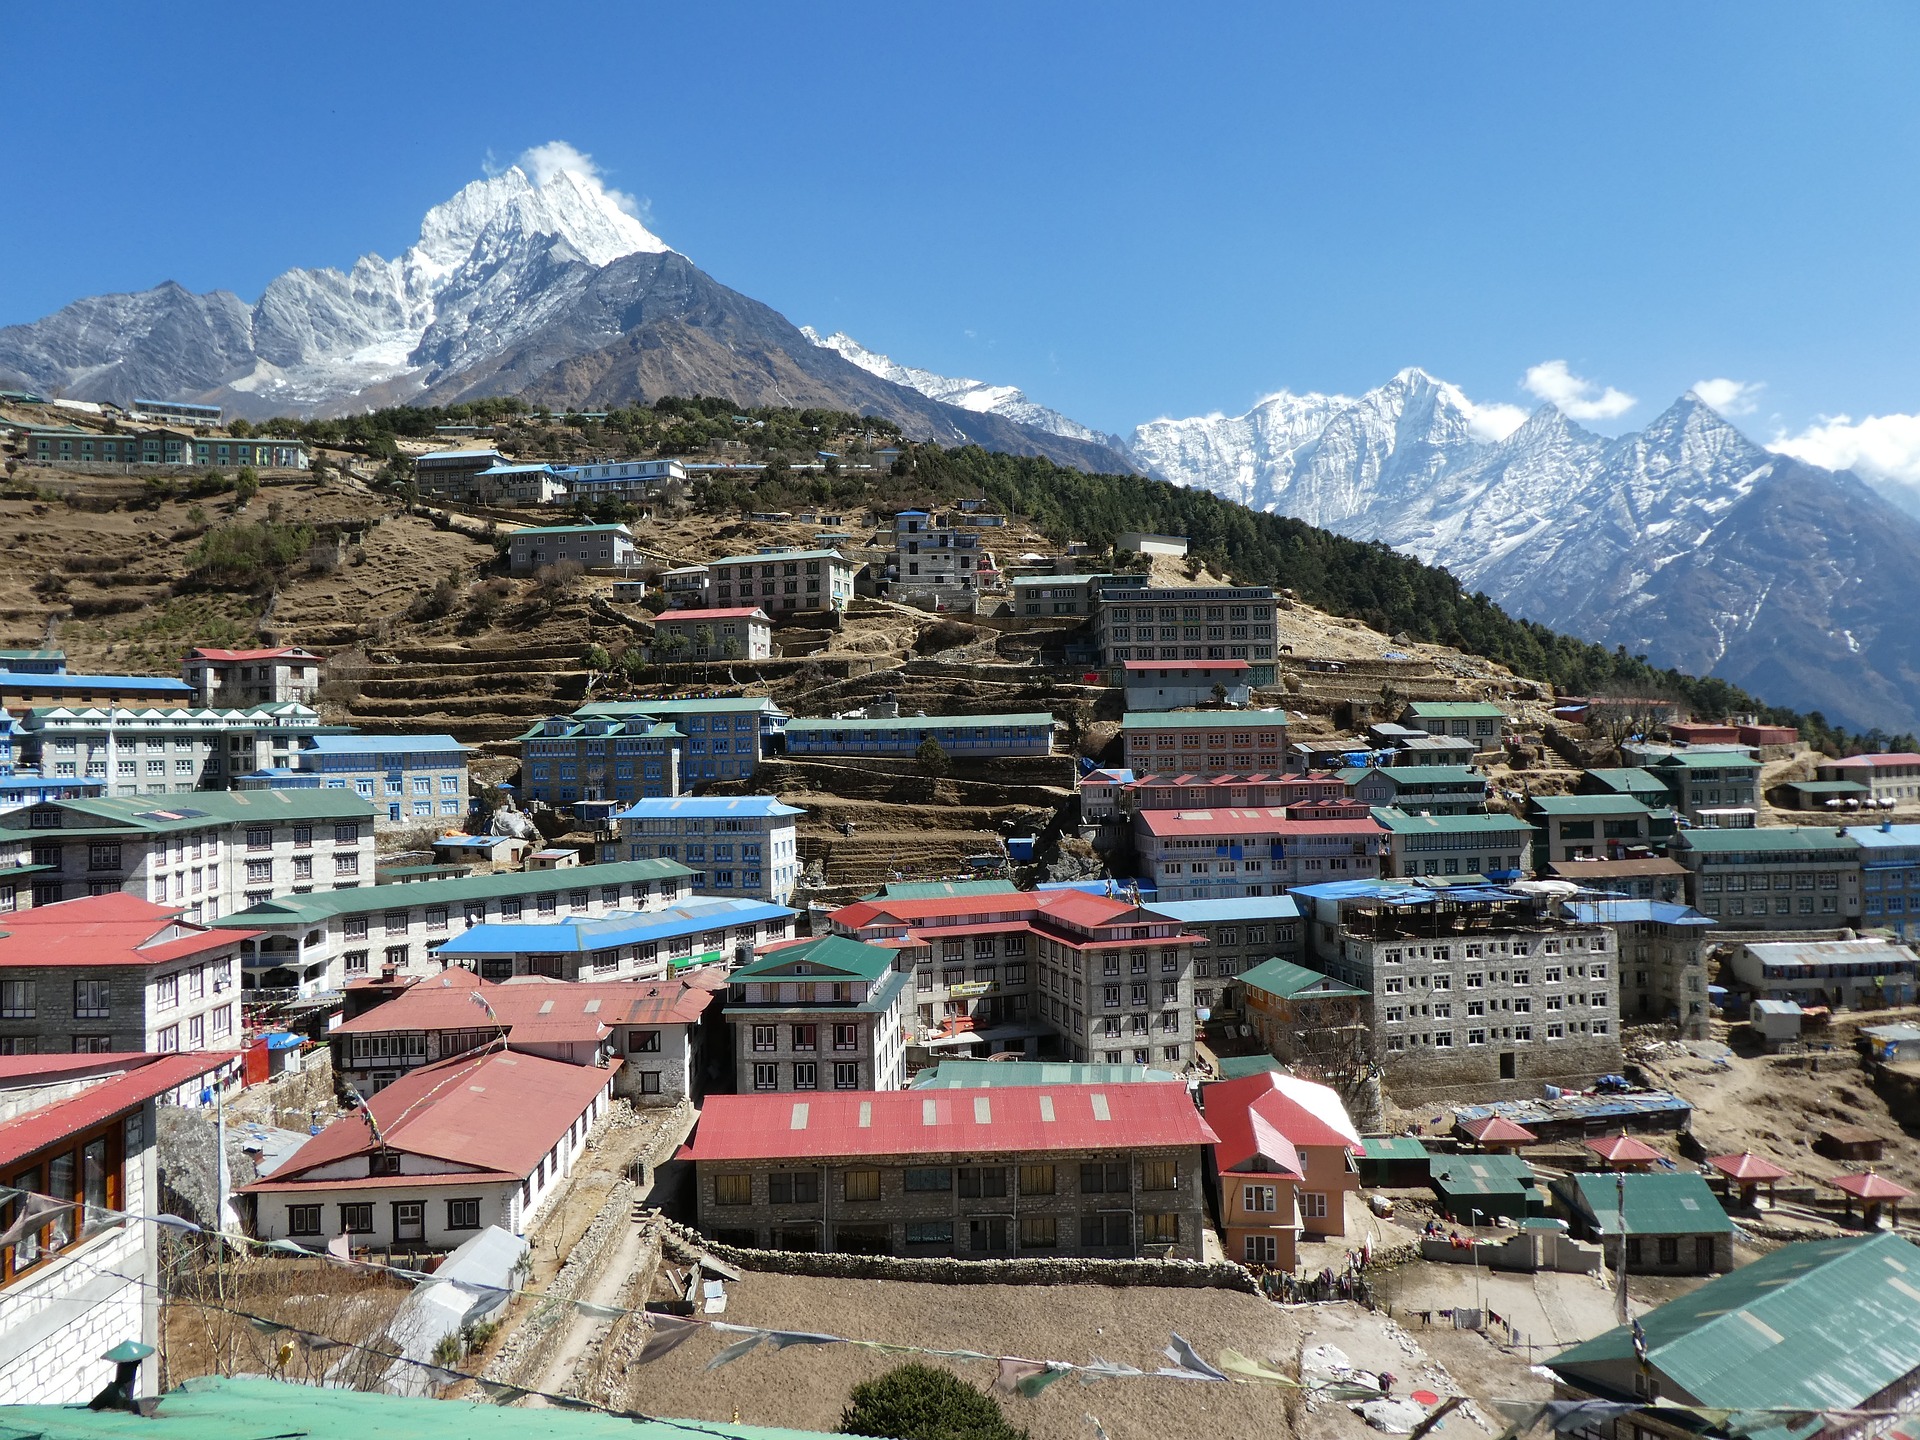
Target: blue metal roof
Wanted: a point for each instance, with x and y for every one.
(159, 683)
(716, 807)
(1621, 912)
(1251, 907)
(1885, 836)
(579, 934)
(383, 744)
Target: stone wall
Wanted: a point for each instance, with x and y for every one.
(525, 1349)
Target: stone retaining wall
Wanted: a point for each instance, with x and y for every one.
(525, 1350)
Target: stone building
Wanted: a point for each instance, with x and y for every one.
(1773, 877)
(236, 679)
(1188, 622)
(1046, 1170)
(1496, 846)
(1663, 960)
(821, 1014)
(1238, 934)
(1200, 743)
(1211, 854)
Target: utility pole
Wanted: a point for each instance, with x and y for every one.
(1620, 1190)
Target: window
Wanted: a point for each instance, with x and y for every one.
(860, 1184)
(92, 999)
(1105, 1178)
(1106, 1230)
(1036, 1180)
(987, 1182)
(806, 1037)
(846, 1075)
(1313, 1205)
(766, 1077)
(357, 1219)
(16, 999)
(1039, 1232)
(1159, 1175)
(643, 1042)
(794, 1187)
(766, 1037)
(806, 1075)
(733, 1189)
(1159, 1228)
(1259, 1198)
(1261, 1250)
(303, 1219)
(927, 1177)
(846, 1037)
(930, 1232)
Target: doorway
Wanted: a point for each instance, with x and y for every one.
(409, 1220)
(1507, 1066)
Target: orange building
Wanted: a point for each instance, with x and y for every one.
(1284, 1164)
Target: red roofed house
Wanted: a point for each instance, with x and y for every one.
(481, 1139)
(116, 973)
(80, 1128)
(1226, 852)
(235, 679)
(1051, 972)
(653, 1024)
(1894, 775)
(741, 632)
(1111, 1171)
(1284, 1163)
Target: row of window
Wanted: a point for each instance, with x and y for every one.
(971, 1182)
(1521, 1034)
(806, 1037)
(806, 1075)
(356, 1218)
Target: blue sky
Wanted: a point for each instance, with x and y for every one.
(1129, 210)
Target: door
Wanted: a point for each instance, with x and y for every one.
(393, 813)
(409, 1220)
(1703, 1254)
(988, 1235)
(1507, 1062)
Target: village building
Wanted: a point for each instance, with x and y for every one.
(1860, 974)
(1774, 877)
(934, 559)
(506, 484)
(410, 780)
(205, 853)
(1889, 877)
(1310, 1021)
(453, 474)
(1177, 684)
(822, 1014)
(627, 482)
(236, 679)
(481, 1139)
(1670, 1224)
(591, 547)
(1640, 879)
(318, 944)
(1663, 959)
(631, 750)
(622, 945)
(1033, 596)
(1233, 936)
(1419, 789)
(34, 662)
(29, 689)
(781, 581)
(1713, 788)
(744, 632)
(82, 1129)
(1205, 742)
(742, 844)
(1283, 1165)
(652, 1026)
(157, 751)
(1214, 854)
(1304, 796)
(1106, 1171)
(960, 736)
(1891, 776)
(1596, 827)
(1484, 723)
(116, 973)
(1494, 846)
(1200, 622)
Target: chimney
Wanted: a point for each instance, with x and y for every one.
(121, 1394)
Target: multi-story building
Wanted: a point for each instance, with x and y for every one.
(177, 412)
(1239, 934)
(1052, 596)
(744, 632)
(1890, 877)
(1175, 684)
(236, 679)
(931, 556)
(744, 844)
(1595, 827)
(653, 1027)
(1310, 1022)
(1432, 789)
(644, 749)
(1642, 785)
(961, 736)
(166, 447)
(638, 945)
(591, 547)
(1205, 742)
(1096, 978)
(481, 1139)
(1213, 854)
(1472, 986)
(1202, 622)
(1650, 879)
(779, 581)
(24, 690)
(156, 751)
(1774, 877)
(454, 474)
(631, 482)
(1891, 776)
(34, 662)
(1283, 1165)
(1106, 1171)
(82, 1129)
(408, 779)
(1175, 791)
(1869, 972)
(1663, 960)
(205, 854)
(116, 973)
(821, 1014)
(1495, 846)
(319, 943)
(1719, 788)
(1483, 723)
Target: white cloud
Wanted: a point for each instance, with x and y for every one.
(1495, 421)
(1577, 398)
(543, 162)
(1730, 397)
(1880, 447)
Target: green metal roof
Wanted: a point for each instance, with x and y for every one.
(1455, 710)
(1286, 979)
(1765, 839)
(728, 704)
(1629, 780)
(1657, 1204)
(1400, 822)
(1487, 1174)
(827, 956)
(1010, 1074)
(1393, 1147)
(1404, 775)
(311, 909)
(573, 530)
(1827, 787)
(1238, 1067)
(1587, 805)
(1204, 720)
(218, 1408)
(194, 810)
(940, 889)
(1705, 760)
(1816, 1325)
(924, 722)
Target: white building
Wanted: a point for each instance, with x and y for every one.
(155, 752)
(204, 853)
(744, 844)
(236, 679)
(81, 1128)
(934, 558)
(743, 632)
(592, 547)
(781, 580)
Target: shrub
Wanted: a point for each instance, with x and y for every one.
(245, 553)
(923, 1402)
(933, 757)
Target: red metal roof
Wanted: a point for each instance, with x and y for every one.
(1746, 1166)
(1498, 1130)
(1623, 1149)
(1011, 1120)
(1870, 1187)
(115, 929)
(1894, 757)
(1302, 1112)
(141, 1077)
(445, 1002)
(493, 1111)
(203, 653)
(1264, 821)
(737, 612)
(1075, 906)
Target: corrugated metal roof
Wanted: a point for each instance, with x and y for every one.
(1285, 979)
(1659, 1204)
(306, 909)
(823, 958)
(1203, 720)
(1002, 1074)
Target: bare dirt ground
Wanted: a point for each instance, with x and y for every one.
(806, 1386)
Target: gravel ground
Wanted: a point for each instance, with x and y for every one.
(806, 1386)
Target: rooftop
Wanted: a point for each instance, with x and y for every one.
(359, 744)
(197, 809)
(1270, 820)
(737, 612)
(825, 956)
(574, 530)
(1657, 1204)
(157, 684)
(310, 909)
(1021, 1120)
(1766, 839)
(1303, 1112)
(105, 930)
(1400, 822)
(1454, 710)
(1705, 760)
(1586, 805)
(1287, 980)
(999, 1074)
(1626, 911)
(580, 935)
(1630, 780)
(940, 889)
(457, 999)
(1402, 775)
(119, 1084)
(1036, 719)
(1249, 907)
(1829, 952)
(1872, 762)
(781, 555)
(712, 807)
(1203, 720)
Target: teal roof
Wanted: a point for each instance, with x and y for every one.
(1404, 775)
(1827, 787)
(1401, 823)
(709, 705)
(1765, 839)
(1484, 1174)
(1629, 781)
(1393, 1147)
(1816, 1325)
(1008, 1074)
(1587, 805)
(570, 529)
(1705, 760)
(310, 909)
(1455, 710)
(1030, 720)
(1656, 1204)
(1238, 1067)
(828, 955)
(940, 889)
(1204, 720)
(196, 809)
(220, 1408)
(1285, 979)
